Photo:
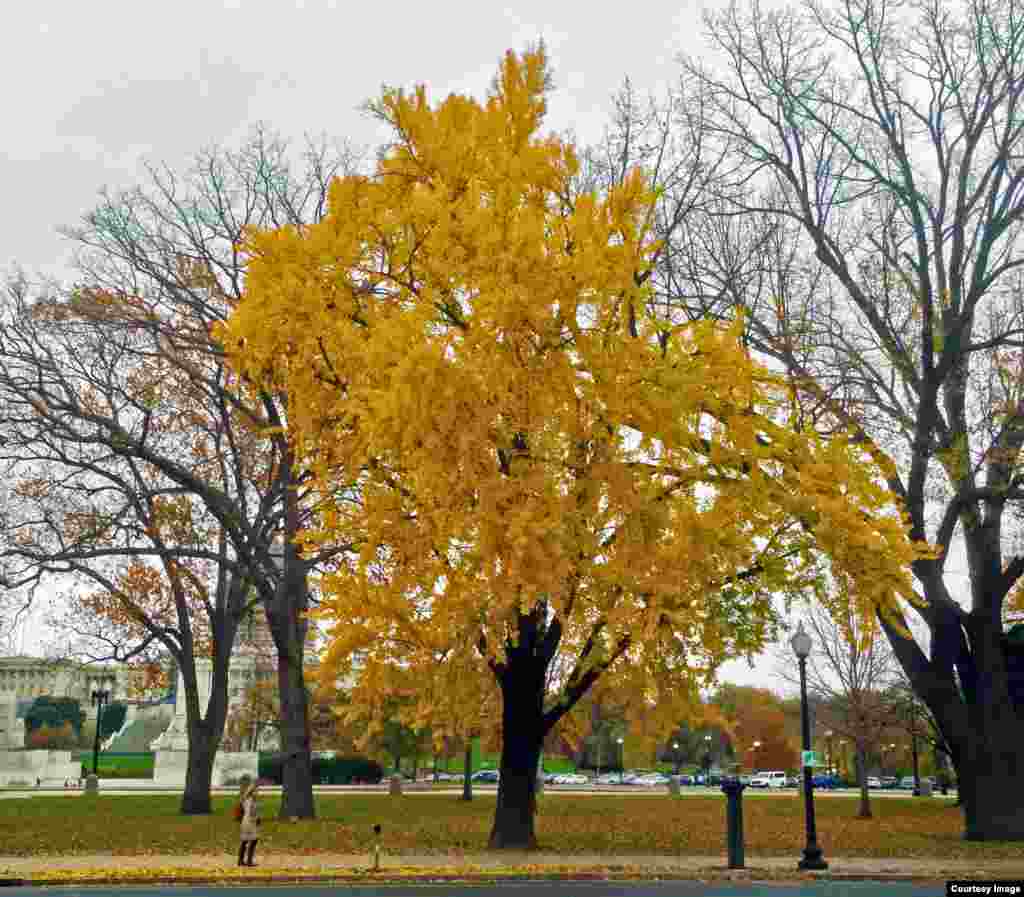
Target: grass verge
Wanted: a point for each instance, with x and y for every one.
(436, 824)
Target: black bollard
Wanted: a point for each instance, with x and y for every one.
(733, 790)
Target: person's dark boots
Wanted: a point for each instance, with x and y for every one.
(241, 854)
(252, 850)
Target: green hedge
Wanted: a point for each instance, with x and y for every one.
(333, 771)
(119, 766)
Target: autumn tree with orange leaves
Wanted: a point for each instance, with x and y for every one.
(756, 722)
(545, 468)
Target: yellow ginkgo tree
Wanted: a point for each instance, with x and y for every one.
(547, 476)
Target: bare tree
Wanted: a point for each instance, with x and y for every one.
(849, 673)
(152, 574)
(161, 262)
(860, 197)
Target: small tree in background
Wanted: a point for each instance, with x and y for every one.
(848, 674)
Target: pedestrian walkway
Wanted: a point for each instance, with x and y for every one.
(488, 864)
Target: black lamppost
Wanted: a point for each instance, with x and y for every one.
(675, 751)
(622, 756)
(99, 698)
(812, 858)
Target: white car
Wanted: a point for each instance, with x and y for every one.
(608, 778)
(774, 779)
(572, 778)
(874, 782)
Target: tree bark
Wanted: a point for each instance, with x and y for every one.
(205, 732)
(988, 785)
(202, 749)
(288, 626)
(978, 720)
(864, 811)
(523, 737)
(297, 771)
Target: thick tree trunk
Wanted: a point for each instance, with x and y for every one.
(205, 725)
(976, 717)
(202, 749)
(288, 625)
(989, 785)
(864, 811)
(522, 739)
(297, 771)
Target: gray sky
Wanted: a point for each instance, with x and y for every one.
(95, 88)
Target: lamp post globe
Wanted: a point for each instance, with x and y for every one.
(812, 856)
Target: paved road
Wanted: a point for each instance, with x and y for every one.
(514, 889)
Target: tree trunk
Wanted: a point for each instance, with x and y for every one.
(297, 771)
(467, 772)
(202, 749)
(205, 724)
(988, 785)
(976, 717)
(522, 739)
(864, 811)
(288, 625)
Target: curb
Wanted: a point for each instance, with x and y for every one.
(443, 877)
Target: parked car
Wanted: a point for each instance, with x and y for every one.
(890, 782)
(774, 779)
(572, 778)
(874, 782)
(907, 782)
(685, 779)
(607, 778)
(826, 781)
(652, 779)
(486, 776)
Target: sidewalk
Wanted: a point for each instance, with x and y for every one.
(489, 865)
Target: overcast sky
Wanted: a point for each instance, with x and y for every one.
(92, 89)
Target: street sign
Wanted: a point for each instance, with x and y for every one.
(808, 758)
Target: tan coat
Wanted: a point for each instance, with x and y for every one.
(250, 827)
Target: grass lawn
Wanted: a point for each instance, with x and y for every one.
(426, 824)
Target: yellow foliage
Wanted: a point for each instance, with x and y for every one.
(456, 332)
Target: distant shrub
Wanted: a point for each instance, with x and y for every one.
(333, 770)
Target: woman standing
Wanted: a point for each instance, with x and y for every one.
(249, 833)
